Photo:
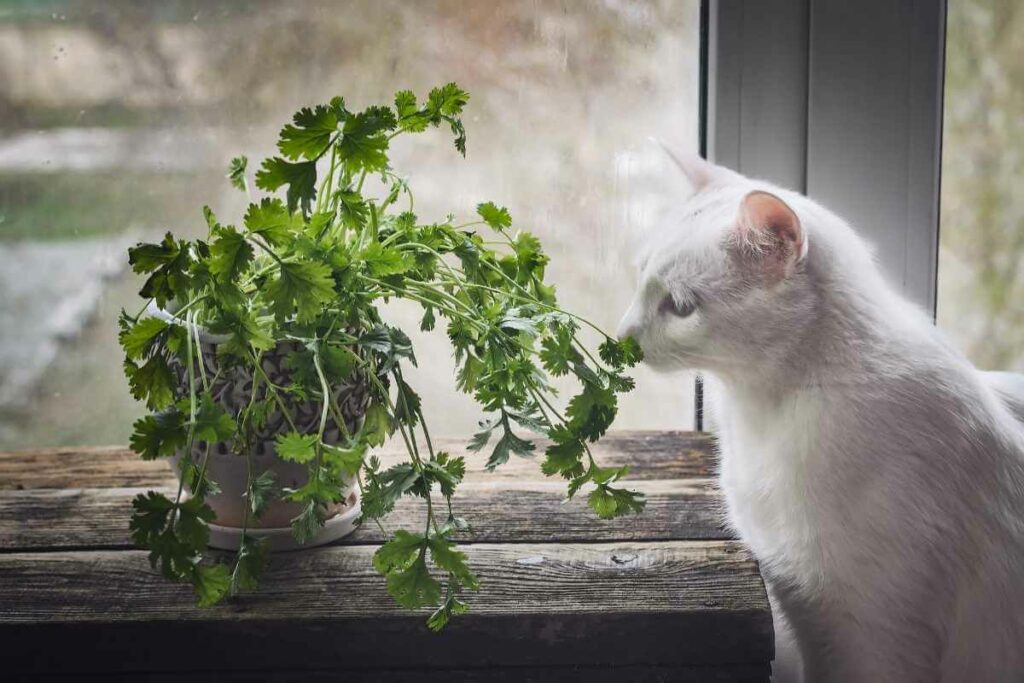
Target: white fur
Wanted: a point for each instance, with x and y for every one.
(875, 473)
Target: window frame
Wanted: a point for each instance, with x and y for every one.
(841, 101)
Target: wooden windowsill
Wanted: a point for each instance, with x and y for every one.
(665, 595)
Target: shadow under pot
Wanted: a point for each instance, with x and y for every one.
(231, 388)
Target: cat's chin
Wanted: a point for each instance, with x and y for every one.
(668, 363)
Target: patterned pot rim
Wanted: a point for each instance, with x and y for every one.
(205, 336)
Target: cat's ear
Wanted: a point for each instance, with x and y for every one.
(768, 230)
(699, 171)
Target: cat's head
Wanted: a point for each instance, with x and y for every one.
(723, 286)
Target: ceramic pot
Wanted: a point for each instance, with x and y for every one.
(229, 469)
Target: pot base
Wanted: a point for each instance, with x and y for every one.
(338, 526)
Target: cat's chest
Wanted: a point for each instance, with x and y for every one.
(770, 465)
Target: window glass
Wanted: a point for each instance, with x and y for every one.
(981, 246)
(117, 121)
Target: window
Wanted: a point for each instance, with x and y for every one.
(981, 247)
(117, 121)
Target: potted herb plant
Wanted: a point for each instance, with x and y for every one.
(270, 373)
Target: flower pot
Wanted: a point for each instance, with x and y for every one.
(230, 470)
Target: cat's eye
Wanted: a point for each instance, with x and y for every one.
(680, 309)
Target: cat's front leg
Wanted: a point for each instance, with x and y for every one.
(786, 665)
(839, 645)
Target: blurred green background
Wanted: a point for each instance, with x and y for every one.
(981, 255)
(118, 118)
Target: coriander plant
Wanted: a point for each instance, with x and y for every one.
(310, 270)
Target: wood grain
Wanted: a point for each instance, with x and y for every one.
(731, 673)
(500, 512)
(651, 455)
(681, 603)
(664, 596)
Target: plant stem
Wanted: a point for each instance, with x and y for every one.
(277, 396)
(193, 330)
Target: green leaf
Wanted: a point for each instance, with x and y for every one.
(244, 329)
(338, 362)
(610, 502)
(148, 257)
(448, 100)
(398, 552)
(385, 488)
(169, 263)
(230, 254)
(382, 261)
(211, 219)
(212, 423)
(349, 460)
(377, 425)
(564, 458)
(621, 353)
(452, 607)
(323, 488)
(509, 443)
(236, 171)
(211, 583)
(363, 145)
(295, 447)
(407, 404)
(176, 560)
(414, 587)
(272, 221)
(495, 216)
(150, 513)
(306, 525)
(302, 287)
(311, 133)
(152, 382)
(445, 555)
(262, 492)
(139, 339)
(428, 321)
(405, 103)
(159, 435)
(482, 437)
(391, 345)
(445, 104)
(531, 418)
(530, 257)
(249, 564)
(514, 323)
(353, 210)
(300, 179)
(193, 524)
(452, 471)
(591, 411)
(558, 354)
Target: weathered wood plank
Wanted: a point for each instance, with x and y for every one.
(681, 603)
(94, 467)
(651, 455)
(737, 673)
(501, 512)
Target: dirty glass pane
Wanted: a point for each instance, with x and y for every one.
(117, 120)
(981, 245)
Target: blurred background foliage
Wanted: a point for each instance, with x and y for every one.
(981, 255)
(118, 117)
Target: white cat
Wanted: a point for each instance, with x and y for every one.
(877, 476)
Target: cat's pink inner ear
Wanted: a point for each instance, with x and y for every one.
(768, 226)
